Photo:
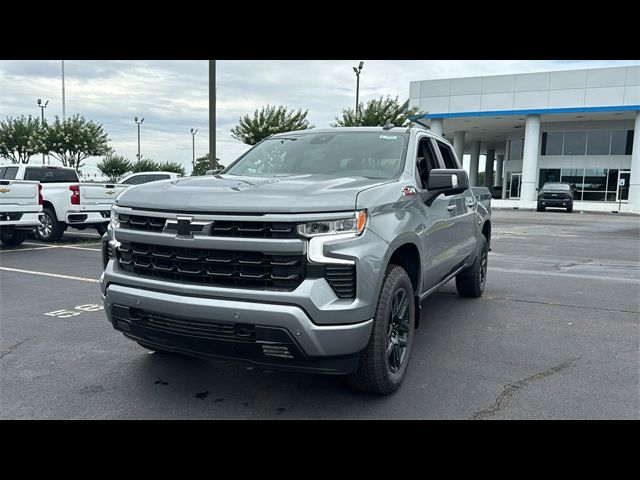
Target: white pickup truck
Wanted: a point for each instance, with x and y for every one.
(66, 201)
(20, 209)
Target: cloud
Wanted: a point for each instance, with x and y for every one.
(173, 95)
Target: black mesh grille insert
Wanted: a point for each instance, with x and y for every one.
(233, 228)
(141, 222)
(226, 268)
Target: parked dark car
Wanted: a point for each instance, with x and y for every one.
(555, 195)
(496, 192)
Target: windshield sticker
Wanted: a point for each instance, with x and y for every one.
(389, 137)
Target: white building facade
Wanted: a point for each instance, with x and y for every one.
(576, 126)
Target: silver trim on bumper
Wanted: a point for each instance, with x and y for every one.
(315, 340)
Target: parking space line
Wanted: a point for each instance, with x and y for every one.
(27, 249)
(566, 275)
(46, 274)
(80, 248)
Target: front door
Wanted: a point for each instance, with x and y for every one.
(623, 185)
(514, 189)
(438, 230)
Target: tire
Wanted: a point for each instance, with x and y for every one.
(471, 281)
(540, 208)
(50, 230)
(570, 209)
(12, 237)
(101, 228)
(155, 349)
(380, 371)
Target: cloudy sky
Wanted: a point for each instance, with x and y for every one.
(172, 96)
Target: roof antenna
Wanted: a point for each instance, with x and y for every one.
(388, 125)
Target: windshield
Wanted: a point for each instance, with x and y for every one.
(339, 154)
(556, 186)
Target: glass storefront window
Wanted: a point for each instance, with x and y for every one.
(598, 142)
(575, 143)
(593, 196)
(551, 143)
(612, 180)
(622, 142)
(515, 149)
(595, 179)
(574, 176)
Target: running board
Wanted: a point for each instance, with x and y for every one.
(433, 289)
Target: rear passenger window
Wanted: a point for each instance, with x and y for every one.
(9, 173)
(447, 156)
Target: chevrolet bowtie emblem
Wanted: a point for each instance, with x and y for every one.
(4, 190)
(109, 192)
(184, 226)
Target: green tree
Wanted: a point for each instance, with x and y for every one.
(202, 165)
(114, 167)
(376, 113)
(144, 165)
(20, 138)
(73, 140)
(171, 167)
(267, 121)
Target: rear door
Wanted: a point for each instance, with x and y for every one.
(438, 239)
(462, 208)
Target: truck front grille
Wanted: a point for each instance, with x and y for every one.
(141, 222)
(227, 228)
(225, 268)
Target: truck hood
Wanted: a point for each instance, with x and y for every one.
(234, 193)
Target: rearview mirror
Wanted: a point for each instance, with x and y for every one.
(447, 182)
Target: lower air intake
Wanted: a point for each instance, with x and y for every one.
(276, 351)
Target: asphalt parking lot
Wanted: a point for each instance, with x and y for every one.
(555, 336)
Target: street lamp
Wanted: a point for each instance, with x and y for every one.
(193, 147)
(139, 123)
(358, 70)
(42, 107)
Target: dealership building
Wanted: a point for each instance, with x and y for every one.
(576, 126)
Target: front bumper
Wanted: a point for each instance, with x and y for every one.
(276, 335)
(27, 220)
(552, 202)
(83, 217)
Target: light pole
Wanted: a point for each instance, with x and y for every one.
(63, 112)
(358, 70)
(193, 148)
(139, 123)
(212, 114)
(42, 107)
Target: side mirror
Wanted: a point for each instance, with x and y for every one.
(447, 182)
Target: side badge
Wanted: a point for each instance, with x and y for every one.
(409, 191)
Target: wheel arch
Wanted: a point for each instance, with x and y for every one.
(407, 255)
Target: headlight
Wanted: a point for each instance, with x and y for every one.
(353, 224)
(113, 217)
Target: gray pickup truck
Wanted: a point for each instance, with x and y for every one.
(311, 252)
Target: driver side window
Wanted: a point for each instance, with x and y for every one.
(425, 161)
